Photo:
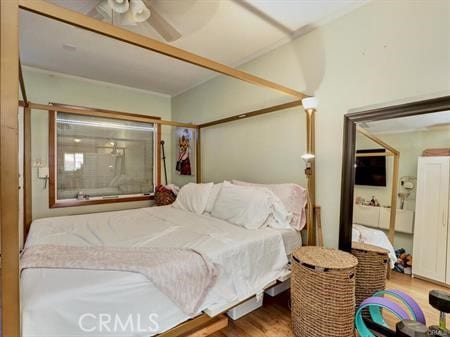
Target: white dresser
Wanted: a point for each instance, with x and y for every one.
(379, 217)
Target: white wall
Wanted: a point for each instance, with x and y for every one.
(44, 87)
(382, 52)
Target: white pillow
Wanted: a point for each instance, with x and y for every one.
(244, 206)
(213, 197)
(193, 197)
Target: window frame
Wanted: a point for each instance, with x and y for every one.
(52, 153)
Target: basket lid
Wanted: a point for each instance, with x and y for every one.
(326, 258)
(369, 248)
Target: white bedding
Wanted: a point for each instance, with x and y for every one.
(54, 300)
(374, 237)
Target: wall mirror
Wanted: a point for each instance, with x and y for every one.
(396, 183)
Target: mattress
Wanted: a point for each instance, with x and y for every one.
(62, 302)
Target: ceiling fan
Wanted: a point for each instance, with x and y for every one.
(135, 13)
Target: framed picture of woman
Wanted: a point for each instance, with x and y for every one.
(185, 141)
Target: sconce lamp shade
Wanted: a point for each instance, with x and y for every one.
(310, 103)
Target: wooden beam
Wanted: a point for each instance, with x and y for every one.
(188, 326)
(311, 179)
(27, 171)
(9, 166)
(199, 157)
(22, 84)
(108, 114)
(374, 154)
(219, 323)
(49, 10)
(377, 140)
(259, 112)
(393, 213)
(396, 154)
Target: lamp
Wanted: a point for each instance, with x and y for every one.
(310, 106)
(138, 12)
(310, 103)
(119, 6)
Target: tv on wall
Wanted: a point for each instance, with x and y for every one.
(370, 170)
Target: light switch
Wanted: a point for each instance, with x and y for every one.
(43, 172)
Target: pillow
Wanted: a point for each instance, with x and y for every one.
(292, 196)
(213, 197)
(245, 206)
(193, 197)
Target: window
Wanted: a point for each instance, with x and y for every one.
(97, 159)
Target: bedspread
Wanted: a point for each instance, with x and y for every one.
(183, 275)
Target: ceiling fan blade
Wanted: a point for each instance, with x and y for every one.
(164, 28)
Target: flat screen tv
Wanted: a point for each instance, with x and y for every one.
(370, 170)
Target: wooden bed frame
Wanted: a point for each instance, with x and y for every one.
(390, 151)
(11, 78)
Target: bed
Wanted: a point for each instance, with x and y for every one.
(374, 237)
(55, 300)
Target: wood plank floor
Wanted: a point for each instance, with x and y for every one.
(273, 319)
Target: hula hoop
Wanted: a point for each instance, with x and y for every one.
(380, 303)
(414, 309)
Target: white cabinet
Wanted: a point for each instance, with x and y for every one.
(431, 237)
(366, 215)
(378, 217)
(404, 220)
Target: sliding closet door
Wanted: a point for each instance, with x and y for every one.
(432, 202)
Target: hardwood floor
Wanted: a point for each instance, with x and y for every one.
(273, 319)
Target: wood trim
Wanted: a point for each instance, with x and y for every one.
(348, 159)
(22, 84)
(377, 140)
(374, 154)
(9, 167)
(109, 114)
(75, 203)
(27, 171)
(254, 113)
(49, 10)
(199, 157)
(52, 158)
(158, 155)
(53, 202)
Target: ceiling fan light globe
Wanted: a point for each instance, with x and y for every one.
(138, 11)
(119, 6)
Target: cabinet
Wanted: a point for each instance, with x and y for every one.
(379, 217)
(431, 237)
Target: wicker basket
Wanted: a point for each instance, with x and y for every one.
(323, 292)
(371, 271)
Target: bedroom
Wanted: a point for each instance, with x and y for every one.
(336, 51)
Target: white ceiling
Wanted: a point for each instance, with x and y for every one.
(229, 31)
(410, 124)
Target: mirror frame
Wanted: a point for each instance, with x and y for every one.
(348, 153)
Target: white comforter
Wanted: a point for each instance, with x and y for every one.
(374, 237)
(54, 301)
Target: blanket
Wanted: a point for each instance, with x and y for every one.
(183, 275)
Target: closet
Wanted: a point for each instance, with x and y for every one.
(431, 232)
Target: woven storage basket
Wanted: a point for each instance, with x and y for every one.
(371, 271)
(323, 292)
